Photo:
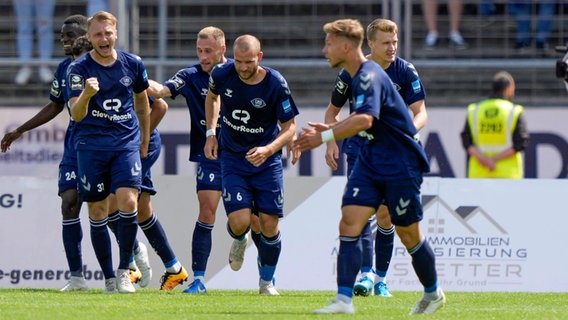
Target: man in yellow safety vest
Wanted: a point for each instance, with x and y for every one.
(495, 133)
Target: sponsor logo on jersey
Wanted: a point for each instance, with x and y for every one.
(55, 89)
(341, 86)
(177, 82)
(416, 86)
(286, 106)
(359, 101)
(77, 82)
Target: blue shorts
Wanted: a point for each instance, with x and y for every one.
(259, 189)
(68, 165)
(401, 196)
(67, 177)
(208, 176)
(147, 163)
(103, 172)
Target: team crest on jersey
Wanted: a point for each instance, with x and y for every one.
(77, 82)
(396, 86)
(126, 81)
(341, 86)
(258, 103)
(177, 82)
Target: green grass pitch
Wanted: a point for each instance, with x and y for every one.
(47, 304)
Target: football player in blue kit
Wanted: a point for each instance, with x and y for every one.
(382, 38)
(175, 273)
(108, 100)
(193, 83)
(389, 168)
(258, 118)
(73, 27)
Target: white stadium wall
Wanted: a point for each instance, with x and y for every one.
(38, 152)
(480, 231)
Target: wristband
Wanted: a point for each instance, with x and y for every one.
(327, 136)
(210, 132)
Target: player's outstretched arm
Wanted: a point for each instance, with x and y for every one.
(46, 114)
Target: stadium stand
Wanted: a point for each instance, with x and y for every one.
(290, 31)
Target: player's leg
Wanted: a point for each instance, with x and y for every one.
(175, 273)
(353, 219)
(71, 231)
(360, 201)
(127, 201)
(238, 203)
(384, 245)
(269, 201)
(208, 182)
(134, 272)
(364, 286)
(72, 234)
(125, 184)
(93, 188)
(408, 229)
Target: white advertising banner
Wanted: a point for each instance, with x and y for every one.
(484, 234)
(38, 152)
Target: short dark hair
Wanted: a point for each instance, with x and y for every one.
(501, 81)
(81, 45)
(77, 19)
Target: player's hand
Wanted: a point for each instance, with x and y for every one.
(210, 149)
(331, 155)
(294, 153)
(309, 139)
(91, 87)
(258, 155)
(319, 127)
(8, 139)
(143, 152)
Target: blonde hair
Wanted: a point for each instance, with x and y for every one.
(383, 25)
(350, 29)
(212, 32)
(102, 16)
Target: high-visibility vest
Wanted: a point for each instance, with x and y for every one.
(492, 123)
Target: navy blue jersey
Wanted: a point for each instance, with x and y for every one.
(193, 83)
(250, 113)
(111, 122)
(406, 81)
(393, 151)
(403, 76)
(58, 94)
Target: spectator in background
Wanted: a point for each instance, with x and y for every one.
(523, 10)
(495, 133)
(430, 11)
(34, 15)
